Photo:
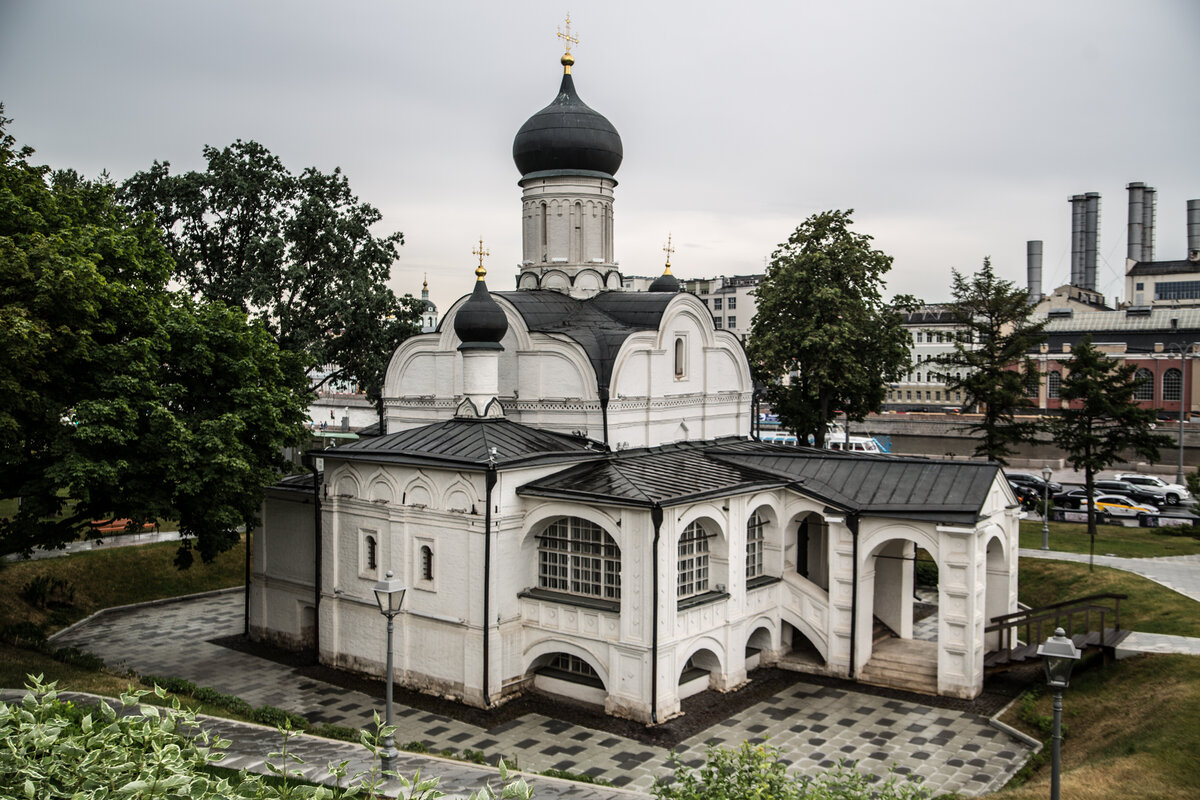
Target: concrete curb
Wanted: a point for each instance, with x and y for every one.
(162, 601)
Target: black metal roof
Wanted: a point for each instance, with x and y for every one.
(912, 488)
(667, 475)
(468, 443)
(599, 324)
(1164, 267)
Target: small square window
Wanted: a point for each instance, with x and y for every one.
(731, 322)
(732, 304)
(716, 304)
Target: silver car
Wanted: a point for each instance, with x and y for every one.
(1172, 494)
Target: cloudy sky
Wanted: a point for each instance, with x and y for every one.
(954, 129)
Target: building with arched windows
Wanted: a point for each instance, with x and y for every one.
(567, 486)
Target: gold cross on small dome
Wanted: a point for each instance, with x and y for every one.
(668, 249)
(479, 251)
(567, 37)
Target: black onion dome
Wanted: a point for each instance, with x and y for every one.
(480, 323)
(665, 283)
(567, 135)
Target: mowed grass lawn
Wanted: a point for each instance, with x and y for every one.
(1116, 540)
(1133, 732)
(106, 578)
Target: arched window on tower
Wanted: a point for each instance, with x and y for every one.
(544, 231)
(680, 357)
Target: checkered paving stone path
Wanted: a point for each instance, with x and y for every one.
(813, 726)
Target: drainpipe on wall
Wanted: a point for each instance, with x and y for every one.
(656, 517)
(604, 412)
(311, 463)
(246, 610)
(489, 484)
(852, 523)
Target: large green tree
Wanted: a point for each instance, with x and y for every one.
(823, 325)
(118, 397)
(295, 251)
(1101, 421)
(990, 363)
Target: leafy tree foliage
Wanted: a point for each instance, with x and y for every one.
(131, 400)
(822, 321)
(990, 363)
(756, 771)
(294, 251)
(52, 748)
(1101, 420)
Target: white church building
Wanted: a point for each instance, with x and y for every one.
(568, 489)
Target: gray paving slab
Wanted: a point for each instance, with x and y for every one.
(1181, 573)
(814, 726)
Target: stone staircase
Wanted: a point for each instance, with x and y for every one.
(897, 663)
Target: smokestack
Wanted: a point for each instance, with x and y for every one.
(1033, 268)
(1091, 239)
(1193, 229)
(1148, 215)
(1078, 213)
(1133, 241)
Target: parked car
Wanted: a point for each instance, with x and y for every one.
(1109, 506)
(1170, 493)
(1137, 494)
(1072, 498)
(1027, 496)
(1034, 481)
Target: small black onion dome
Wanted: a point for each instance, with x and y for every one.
(567, 135)
(480, 323)
(665, 282)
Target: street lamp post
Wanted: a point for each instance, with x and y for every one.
(1060, 654)
(1182, 398)
(389, 593)
(1046, 473)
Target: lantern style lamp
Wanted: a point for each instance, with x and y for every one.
(1060, 654)
(389, 593)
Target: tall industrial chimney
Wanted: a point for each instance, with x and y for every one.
(1193, 229)
(1078, 214)
(1148, 217)
(1091, 239)
(1133, 241)
(1033, 269)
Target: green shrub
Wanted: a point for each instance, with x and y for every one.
(756, 771)
(77, 658)
(278, 718)
(45, 591)
(581, 777)
(55, 749)
(416, 747)
(339, 732)
(23, 634)
(925, 574)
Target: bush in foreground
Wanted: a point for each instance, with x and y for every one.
(54, 749)
(755, 772)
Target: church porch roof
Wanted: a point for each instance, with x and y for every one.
(468, 443)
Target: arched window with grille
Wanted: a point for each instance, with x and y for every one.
(693, 562)
(754, 546)
(577, 557)
(1145, 384)
(426, 563)
(1172, 385)
(1054, 384)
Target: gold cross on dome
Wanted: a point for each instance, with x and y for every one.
(668, 249)
(479, 251)
(567, 37)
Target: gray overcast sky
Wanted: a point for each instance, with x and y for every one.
(954, 129)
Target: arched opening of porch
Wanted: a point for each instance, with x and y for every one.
(699, 672)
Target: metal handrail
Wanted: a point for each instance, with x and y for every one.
(1009, 624)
